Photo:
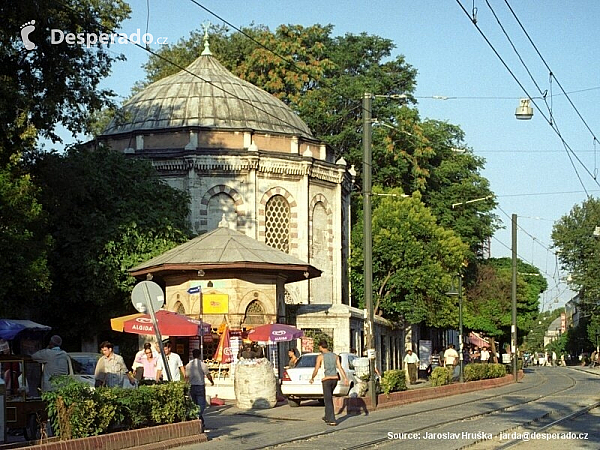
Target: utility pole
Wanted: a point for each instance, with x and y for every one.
(367, 105)
(514, 298)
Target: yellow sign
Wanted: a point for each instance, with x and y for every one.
(215, 303)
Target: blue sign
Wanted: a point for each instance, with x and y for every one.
(194, 290)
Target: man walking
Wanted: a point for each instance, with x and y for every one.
(55, 360)
(330, 363)
(195, 371)
(411, 361)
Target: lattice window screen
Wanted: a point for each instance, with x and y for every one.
(277, 223)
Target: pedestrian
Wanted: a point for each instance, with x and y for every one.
(55, 361)
(152, 365)
(110, 369)
(450, 356)
(293, 355)
(330, 363)
(195, 371)
(176, 367)
(484, 355)
(411, 361)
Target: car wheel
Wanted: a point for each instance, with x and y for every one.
(32, 431)
(294, 403)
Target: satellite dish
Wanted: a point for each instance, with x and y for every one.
(146, 294)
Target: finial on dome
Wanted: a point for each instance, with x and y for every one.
(206, 51)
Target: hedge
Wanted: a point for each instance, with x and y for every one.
(76, 410)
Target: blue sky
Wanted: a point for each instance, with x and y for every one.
(526, 162)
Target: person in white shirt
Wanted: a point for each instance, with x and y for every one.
(411, 361)
(450, 356)
(485, 355)
(176, 367)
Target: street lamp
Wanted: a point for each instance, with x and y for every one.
(454, 291)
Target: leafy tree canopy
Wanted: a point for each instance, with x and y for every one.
(106, 213)
(488, 307)
(579, 252)
(412, 259)
(52, 84)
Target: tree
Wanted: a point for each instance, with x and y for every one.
(107, 213)
(579, 252)
(488, 304)
(52, 84)
(23, 241)
(413, 258)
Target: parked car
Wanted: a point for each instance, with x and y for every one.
(295, 383)
(83, 366)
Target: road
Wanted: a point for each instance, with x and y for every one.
(551, 408)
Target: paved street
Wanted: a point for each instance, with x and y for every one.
(545, 395)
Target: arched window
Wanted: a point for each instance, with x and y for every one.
(255, 313)
(277, 223)
(179, 308)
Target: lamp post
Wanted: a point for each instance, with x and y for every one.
(454, 291)
(514, 298)
(367, 105)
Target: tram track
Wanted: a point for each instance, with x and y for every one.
(508, 396)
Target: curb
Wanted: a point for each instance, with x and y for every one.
(359, 404)
(159, 437)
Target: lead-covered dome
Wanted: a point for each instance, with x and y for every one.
(206, 95)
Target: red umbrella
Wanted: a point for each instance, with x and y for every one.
(223, 354)
(275, 332)
(169, 324)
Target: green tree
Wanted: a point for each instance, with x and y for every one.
(488, 304)
(52, 84)
(23, 241)
(412, 259)
(107, 213)
(579, 252)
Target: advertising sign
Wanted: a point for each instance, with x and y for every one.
(215, 303)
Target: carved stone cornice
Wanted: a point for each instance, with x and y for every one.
(263, 164)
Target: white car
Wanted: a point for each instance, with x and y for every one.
(295, 383)
(82, 366)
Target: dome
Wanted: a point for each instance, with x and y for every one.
(206, 95)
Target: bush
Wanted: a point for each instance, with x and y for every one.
(393, 381)
(441, 376)
(78, 411)
(473, 372)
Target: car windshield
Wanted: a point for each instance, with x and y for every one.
(306, 361)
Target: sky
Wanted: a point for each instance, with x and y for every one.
(482, 70)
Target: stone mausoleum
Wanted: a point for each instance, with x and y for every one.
(249, 162)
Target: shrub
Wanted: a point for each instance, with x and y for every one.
(441, 376)
(78, 411)
(473, 372)
(393, 381)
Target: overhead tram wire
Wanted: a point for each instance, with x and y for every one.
(543, 95)
(565, 144)
(184, 69)
(550, 71)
